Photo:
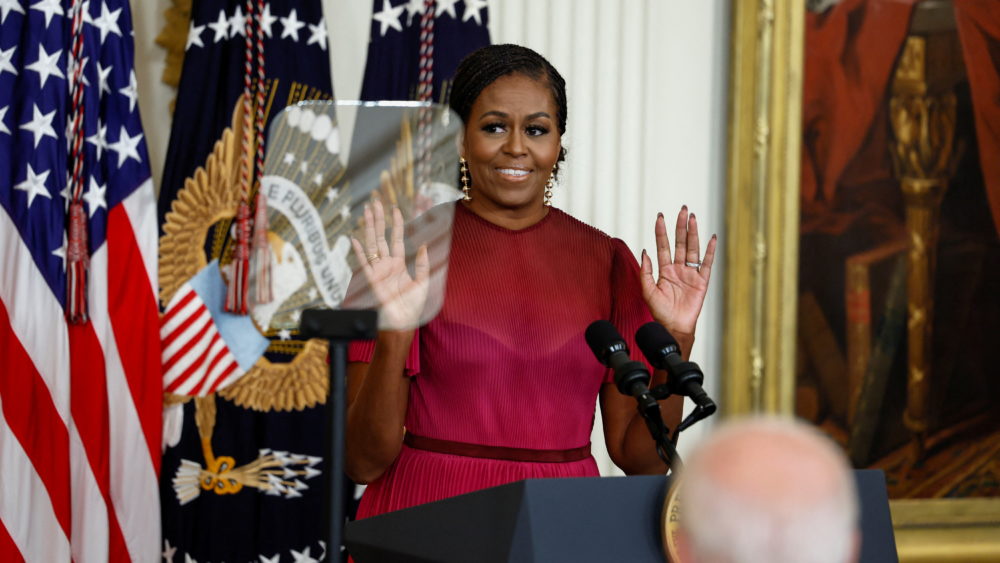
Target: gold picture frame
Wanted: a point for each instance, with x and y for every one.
(760, 286)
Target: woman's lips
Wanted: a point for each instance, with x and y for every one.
(513, 174)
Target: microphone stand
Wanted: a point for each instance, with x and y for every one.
(338, 327)
(649, 408)
(676, 378)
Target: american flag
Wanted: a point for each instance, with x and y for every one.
(80, 405)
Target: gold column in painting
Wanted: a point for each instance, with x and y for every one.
(924, 128)
(762, 223)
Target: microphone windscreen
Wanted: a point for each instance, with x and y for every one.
(601, 335)
(653, 340)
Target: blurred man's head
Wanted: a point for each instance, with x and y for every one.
(768, 489)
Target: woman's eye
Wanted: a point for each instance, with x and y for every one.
(494, 128)
(536, 130)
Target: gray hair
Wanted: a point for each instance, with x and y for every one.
(769, 489)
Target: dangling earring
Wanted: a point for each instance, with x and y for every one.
(465, 179)
(548, 188)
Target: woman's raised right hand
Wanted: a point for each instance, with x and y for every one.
(401, 297)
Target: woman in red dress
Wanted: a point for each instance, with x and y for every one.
(500, 385)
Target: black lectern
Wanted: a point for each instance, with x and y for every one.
(583, 519)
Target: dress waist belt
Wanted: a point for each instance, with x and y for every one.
(495, 452)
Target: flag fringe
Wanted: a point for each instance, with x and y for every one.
(236, 295)
(261, 252)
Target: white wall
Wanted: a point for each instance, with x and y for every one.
(154, 95)
(647, 125)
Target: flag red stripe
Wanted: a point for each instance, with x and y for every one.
(226, 371)
(34, 420)
(222, 378)
(89, 406)
(218, 355)
(117, 548)
(8, 549)
(183, 352)
(135, 320)
(199, 315)
(196, 365)
(176, 308)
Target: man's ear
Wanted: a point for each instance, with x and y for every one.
(855, 554)
(683, 548)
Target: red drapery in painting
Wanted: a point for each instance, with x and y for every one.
(851, 52)
(979, 32)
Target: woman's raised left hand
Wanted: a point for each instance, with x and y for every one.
(401, 297)
(676, 294)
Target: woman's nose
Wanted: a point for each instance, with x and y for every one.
(515, 143)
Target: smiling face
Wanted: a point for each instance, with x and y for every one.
(511, 144)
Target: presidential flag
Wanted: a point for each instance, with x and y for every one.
(414, 49)
(297, 67)
(80, 404)
(421, 42)
(244, 468)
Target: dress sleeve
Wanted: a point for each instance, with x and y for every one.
(363, 350)
(628, 308)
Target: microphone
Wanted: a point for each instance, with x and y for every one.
(683, 378)
(631, 377)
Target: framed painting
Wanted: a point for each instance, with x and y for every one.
(863, 258)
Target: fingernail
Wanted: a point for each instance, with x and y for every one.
(659, 215)
(684, 208)
(714, 237)
(692, 216)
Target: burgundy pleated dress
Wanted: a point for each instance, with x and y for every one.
(505, 362)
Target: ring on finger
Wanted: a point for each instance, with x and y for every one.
(373, 257)
(693, 264)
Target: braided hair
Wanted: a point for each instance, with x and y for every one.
(484, 66)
